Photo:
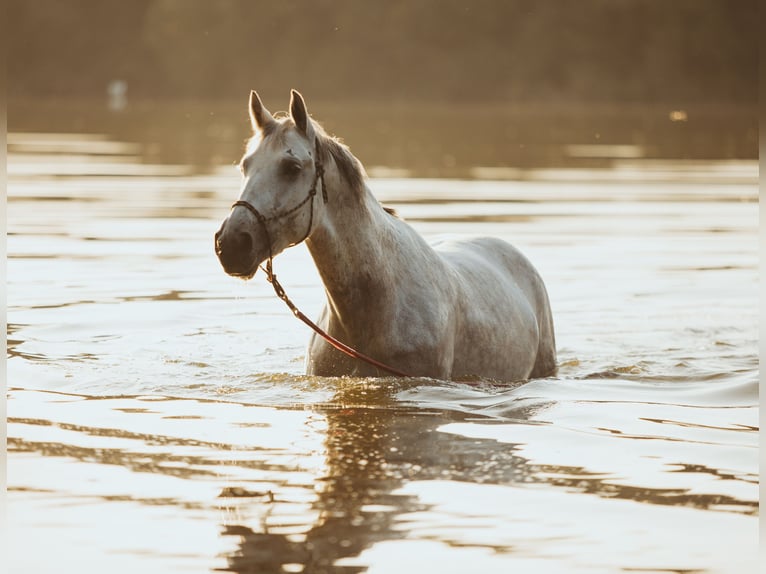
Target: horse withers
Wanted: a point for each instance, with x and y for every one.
(460, 309)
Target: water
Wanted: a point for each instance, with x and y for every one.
(159, 419)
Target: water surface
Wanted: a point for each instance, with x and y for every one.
(160, 420)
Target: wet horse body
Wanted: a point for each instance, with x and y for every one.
(455, 310)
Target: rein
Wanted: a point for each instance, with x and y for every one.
(271, 277)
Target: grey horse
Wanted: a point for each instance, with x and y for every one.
(455, 310)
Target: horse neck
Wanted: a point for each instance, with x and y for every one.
(353, 246)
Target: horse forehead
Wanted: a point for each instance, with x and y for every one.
(288, 143)
(295, 144)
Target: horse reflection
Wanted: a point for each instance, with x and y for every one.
(374, 445)
(367, 446)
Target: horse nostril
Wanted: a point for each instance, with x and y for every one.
(234, 248)
(243, 242)
(239, 243)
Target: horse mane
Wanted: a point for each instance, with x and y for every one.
(350, 168)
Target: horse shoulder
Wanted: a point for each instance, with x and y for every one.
(419, 329)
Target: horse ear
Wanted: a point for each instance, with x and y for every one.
(259, 115)
(299, 114)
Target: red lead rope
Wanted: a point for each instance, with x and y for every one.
(342, 347)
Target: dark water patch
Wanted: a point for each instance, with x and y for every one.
(239, 492)
(51, 198)
(733, 427)
(474, 218)
(153, 501)
(63, 305)
(149, 439)
(670, 378)
(709, 268)
(48, 233)
(161, 464)
(474, 200)
(13, 351)
(12, 342)
(722, 474)
(659, 496)
(43, 256)
(135, 410)
(665, 570)
(28, 490)
(173, 295)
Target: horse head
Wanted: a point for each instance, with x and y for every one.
(282, 174)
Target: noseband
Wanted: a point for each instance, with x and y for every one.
(263, 220)
(271, 277)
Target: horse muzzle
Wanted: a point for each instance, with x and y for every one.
(240, 249)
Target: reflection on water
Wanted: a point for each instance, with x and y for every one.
(159, 419)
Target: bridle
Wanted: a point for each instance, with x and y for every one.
(271, 277)
(263, 220)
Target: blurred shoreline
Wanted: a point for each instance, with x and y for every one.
(473, 141)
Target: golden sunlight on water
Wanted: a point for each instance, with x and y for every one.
(159, 419)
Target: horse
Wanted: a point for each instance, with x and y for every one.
(459, 309)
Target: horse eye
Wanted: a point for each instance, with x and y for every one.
(291, 168)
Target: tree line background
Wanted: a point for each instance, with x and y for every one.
(450, 50)
(635, 60)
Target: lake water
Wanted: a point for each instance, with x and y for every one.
(159, 419)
